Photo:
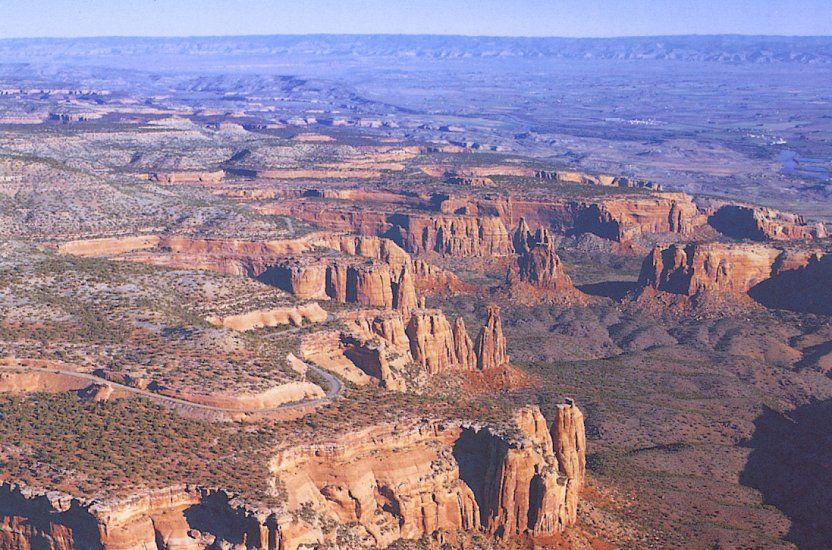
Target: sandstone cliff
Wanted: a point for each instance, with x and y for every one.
(763, 224)
(435, 346)
(571, 176)
(616, 218)
(376, 347)
(713, 267)
(345, 280)
(454, 236)
(538, 272)
(383, 483)
(569, 439)
(491, 344)
(445, 476)
(181, 518)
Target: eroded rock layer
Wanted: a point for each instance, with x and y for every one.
(763, 224)
(712, 267)
(444, 477)
(491, 344)
(384, 483)
(538, 269)
(456, 236)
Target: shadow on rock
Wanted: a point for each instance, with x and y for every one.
(805, 289)
(791, 465)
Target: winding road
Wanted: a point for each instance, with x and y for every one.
(336, 387)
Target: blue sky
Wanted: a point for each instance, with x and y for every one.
(27, 18)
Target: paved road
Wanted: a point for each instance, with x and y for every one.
(334, 390)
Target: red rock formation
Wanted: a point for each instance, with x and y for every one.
(431, 279)
(714, 267)
(464, 346)
(537, 263)
(432, 344)
(616, 218)
(393, 482)
(569, 440)
(343, 280)
(763, 224)
(491, 344)
(335, 217)
(454, 236)
(568, 176)
(404, 297)
(149, 519)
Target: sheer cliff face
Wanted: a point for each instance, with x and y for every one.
(383, 483)
(370, 283)
(569, 441)
(537, 263)
(453, 236)
(444, 476)
(618, 219)
(381, 344)
(715, 267)
(183, 517)
(491, 344)
(763, 224)
(434, 345)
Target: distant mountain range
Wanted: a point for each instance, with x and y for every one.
(719, 48)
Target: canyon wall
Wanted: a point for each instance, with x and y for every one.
(763, 224)
(538, 272)
(383, 483)
(376, 347)
(445, 476)
(454, 236)
(571, 176)
(181, 518)
(712, 267)
(615, 218)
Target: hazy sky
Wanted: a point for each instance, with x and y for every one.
(26, 18)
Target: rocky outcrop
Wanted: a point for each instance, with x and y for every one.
(466, 357)
(538, 264)
(616, 218)
(433, 344)
(293, 315)
(451, 236)
(381, 484)
(431, 279)
(763, 224)
(491, 344)
(465, 226)
(392, 482)
(183, 517)
(369, 283)
(332, 216)
(571, 176)
(569, 440)
(377, 346)
(713, 267)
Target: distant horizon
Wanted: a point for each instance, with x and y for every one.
(475, 18)
(425, 35)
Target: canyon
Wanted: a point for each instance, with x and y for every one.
(445, 476)
(414, 292)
